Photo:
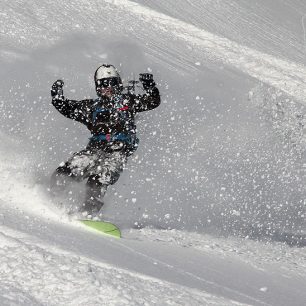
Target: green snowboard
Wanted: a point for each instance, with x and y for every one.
(103, 227)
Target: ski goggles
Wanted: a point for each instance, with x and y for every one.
(108, 82)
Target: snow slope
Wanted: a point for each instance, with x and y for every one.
(220, 165)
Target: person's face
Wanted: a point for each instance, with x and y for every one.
(107, 87)
(107, 91)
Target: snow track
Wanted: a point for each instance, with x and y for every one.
(34, 274)
(203, 46)
(285, 75)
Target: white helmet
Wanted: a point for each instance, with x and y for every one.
(105, 72)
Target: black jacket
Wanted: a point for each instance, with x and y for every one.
(105, 116)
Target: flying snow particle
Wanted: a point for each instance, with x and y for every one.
(251, 94)
(235, 213)
(264, 289)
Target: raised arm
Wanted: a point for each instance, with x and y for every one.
(72, 109)
(151, 98)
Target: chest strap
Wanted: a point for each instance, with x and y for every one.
(109, 137)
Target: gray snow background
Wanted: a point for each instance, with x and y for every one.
(217, 183)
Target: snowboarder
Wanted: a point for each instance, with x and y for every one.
(111, 121)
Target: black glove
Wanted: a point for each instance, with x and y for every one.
(147, 80)
(57, 88)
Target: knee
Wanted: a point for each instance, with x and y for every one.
(94, 181)
(105, 178)
(114, 178)
(108, 177)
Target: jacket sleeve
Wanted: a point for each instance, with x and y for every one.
(148, 101)
(75, 110)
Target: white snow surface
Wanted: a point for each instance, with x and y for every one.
(217, 186)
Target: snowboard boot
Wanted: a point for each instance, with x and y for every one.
(91, 207)
(94, 200)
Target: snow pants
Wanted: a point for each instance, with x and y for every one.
(101, 168)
